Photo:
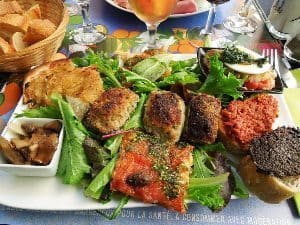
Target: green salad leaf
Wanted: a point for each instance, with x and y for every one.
(139, 83)
(73, 163)
(182, 77)
(240, 189)
(219, 84)
(150, 68)
(94, 190)
(183, 65)
(204, 187)
(50, 111)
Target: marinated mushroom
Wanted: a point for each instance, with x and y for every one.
(36, 146)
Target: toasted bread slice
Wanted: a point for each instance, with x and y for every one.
(16, 41)
(268, 188)
(11, 7)
(39, 30)
(5, 48)
(12, 23)
(34, 13)
(229, 142)
(61, 77)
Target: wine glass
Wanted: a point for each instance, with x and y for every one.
(152, 13)
(203, 33)
(240, 23)
(87, 34)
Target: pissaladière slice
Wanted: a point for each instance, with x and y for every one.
(153, 171)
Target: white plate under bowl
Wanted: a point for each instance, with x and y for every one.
(38, 193)
(31, 170)
(203, 6)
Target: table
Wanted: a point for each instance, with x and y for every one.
(251, 211)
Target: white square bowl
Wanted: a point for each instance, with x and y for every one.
(31, 170)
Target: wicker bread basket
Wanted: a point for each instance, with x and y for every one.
(42, 51)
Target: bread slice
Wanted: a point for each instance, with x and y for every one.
(34, 13)
(268, 188)
(11, 7)
(5, 48)
(229, 142)
(61, 77)
(16, 41)
(39, 30)
(12, 23)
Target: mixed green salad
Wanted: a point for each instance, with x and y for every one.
(75, 168)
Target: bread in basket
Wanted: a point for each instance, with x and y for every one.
(41, 51)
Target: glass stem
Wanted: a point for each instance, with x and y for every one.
(152, 30)
(86, 23)
(210, 19)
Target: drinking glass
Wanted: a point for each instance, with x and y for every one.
(240, 23)
(87, 33)
(152, 13)
(197, 34)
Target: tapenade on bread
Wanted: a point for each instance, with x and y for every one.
(272, 170)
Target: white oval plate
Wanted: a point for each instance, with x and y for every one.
(50, 193)
(203, 6)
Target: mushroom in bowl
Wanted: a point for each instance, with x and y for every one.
(31, 147)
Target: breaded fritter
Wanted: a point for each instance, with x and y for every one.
(153, 171)
(204, 114)
(111, 110)
(164, 115)
(61, 77)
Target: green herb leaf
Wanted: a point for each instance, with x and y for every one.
(218, 84)
(2, 98)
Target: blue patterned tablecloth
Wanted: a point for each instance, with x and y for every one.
(250, 211)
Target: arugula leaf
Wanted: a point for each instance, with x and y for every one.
(150, 68)
(139, 83)
(94, 190)
(204, 187)
(105, 64)
(218, 84)
(73, 162)
(50, 111)
(182, 77)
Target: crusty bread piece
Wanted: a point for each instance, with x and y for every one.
(12, 23)
(16, 41)
(10, 7)
(39, 30)
(62, 77)
(266, 187)
(34, 13)
(229, 142)
(5, 48)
